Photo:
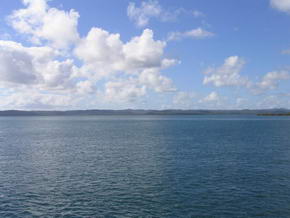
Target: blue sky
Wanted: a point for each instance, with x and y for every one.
(199, 54)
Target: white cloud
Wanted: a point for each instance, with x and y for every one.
(144, 52)
(33, 99)
(213, 101)
(104, 55)
(212, 97)
(124, 90)
(228, 74)
(271, 80)
(132, 88)
(85, 87)
(33, 66)
(18, 63)
(101, 52)
(282, 5)
(273, 101)
(198, 33)
(144, 13)
(141, 15)
(44, 23)
(107, 68)
(184, 99)
(152, 79)
(58, 73)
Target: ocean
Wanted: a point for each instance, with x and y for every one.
(145, 166)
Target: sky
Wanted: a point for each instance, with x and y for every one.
(151, 54)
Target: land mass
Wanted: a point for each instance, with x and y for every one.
(262, 112)
(271, 114)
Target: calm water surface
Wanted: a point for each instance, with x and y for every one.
(145, 166)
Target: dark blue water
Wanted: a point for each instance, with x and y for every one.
(145, 166)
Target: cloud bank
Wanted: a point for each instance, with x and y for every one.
(57, 67)
(126, 70)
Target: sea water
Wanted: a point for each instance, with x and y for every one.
(145, 166)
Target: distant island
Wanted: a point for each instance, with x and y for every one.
(262, 112)
(271, 114)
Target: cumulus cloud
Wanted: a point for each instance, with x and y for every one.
(198, 33)
(16, 64)
(107, 53)
(271, 80)
(228, 74)
(34, 66)
(282, 5)
(104, 55)
(100, 51)
(144, 52)
(84, 87)
(132, 88)
(124, 90)
(41, 22)
(107, 68)
(152, 79)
